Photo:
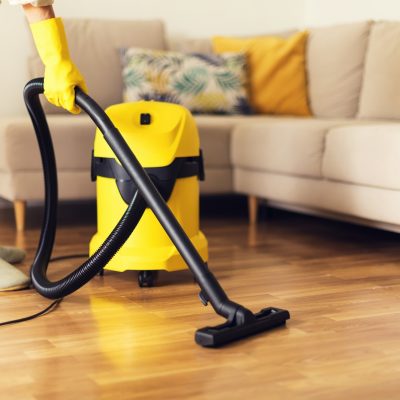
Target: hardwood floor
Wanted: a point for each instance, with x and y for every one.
(112, 340)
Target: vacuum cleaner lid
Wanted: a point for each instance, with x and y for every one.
(157, 133)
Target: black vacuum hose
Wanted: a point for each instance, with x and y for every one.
(147, 196)
(115, 240)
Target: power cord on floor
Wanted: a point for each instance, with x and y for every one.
(53, 305)
(47, 310)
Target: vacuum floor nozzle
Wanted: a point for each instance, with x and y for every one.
(220, 335)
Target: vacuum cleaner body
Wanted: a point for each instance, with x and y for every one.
(165, 139)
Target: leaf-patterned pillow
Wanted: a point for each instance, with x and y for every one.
(203, 83)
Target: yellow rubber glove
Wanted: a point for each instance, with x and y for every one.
(61, 75)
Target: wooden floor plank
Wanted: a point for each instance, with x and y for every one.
(112, 340)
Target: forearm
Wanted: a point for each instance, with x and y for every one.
(61, 76)
(36, 14)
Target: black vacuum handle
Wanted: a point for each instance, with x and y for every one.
(211, 290)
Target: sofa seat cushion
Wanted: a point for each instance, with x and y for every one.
(29, 186)
(72, 139)
(364, 155)
(283, 145)
(215, 136)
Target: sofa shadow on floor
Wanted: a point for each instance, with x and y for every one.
(84, 212)
(220, 210)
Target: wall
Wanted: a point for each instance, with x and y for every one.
(325, 12)
(183, 17)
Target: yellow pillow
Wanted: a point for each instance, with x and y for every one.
(278, 83)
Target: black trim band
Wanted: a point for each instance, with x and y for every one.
(163, 177)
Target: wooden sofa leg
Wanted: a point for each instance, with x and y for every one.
(253, 209)
(20, 211)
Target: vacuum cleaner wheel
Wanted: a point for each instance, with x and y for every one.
(147, 278)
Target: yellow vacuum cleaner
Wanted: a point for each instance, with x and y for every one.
(142, 211)
(167, 146)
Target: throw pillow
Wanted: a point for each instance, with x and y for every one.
(278, 83)
(203, 83)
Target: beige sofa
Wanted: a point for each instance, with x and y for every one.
(342, 163)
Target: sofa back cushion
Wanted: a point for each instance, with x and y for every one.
(94, 46)
(191, 45)
(204, 45)
(380, 95)
(335, 58)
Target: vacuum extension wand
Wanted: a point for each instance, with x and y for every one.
(241, 322)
